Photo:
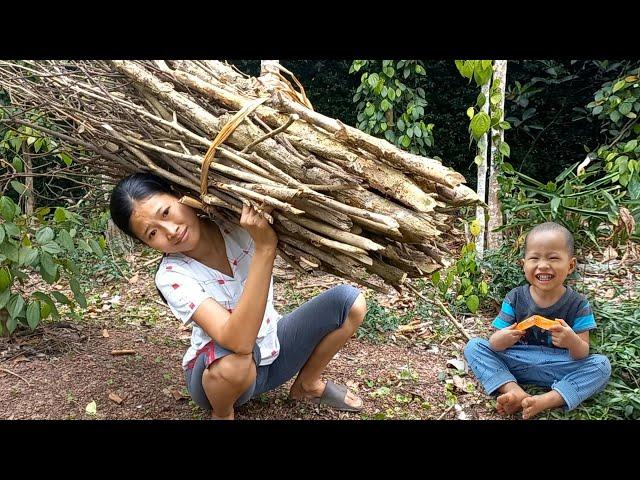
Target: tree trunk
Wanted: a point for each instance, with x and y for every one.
(483, 152)
(494, 239)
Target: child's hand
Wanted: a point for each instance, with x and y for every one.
(505, 337)
(563, 335)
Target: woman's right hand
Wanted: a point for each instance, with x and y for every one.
(505, 338)
(256, 224)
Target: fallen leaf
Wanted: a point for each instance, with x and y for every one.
(610, 253)
(105, 334)
(460, 413)
(177, 394)
(115, 398)
(134, 279)
(458, 364)
(91, 408)
(458, 382)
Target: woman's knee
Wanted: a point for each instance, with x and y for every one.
(235, 369)
(357, 312)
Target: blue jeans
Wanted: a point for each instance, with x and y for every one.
(574, 380)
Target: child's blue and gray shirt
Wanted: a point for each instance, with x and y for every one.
(518, 305)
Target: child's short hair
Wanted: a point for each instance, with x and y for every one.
(553, 227)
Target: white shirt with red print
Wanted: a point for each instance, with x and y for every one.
(185, 283)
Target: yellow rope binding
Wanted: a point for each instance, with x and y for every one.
(222, 136)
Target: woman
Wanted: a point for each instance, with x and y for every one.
(218, 276)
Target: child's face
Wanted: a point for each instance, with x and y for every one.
(546, 260)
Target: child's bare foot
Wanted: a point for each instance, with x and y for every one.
(531, 406)
(511, 401)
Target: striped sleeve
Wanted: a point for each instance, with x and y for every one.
(584, 319)
(507, 315)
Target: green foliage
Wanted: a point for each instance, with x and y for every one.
(617, 105)
(41, 244)
(587, 204)
(378, 321)
(502, 271)
(390, 103)
(618, 338)
(462, 284)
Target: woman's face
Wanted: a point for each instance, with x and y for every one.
(164, 224)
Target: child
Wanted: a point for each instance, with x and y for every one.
(557, 358)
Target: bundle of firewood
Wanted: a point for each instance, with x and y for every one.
(343, 201)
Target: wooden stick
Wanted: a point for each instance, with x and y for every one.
(122, 352)
(451, 317)
(6, 370)
(292, 119)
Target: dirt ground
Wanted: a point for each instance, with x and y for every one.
(60, 369)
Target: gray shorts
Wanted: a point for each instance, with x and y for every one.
(298, 332)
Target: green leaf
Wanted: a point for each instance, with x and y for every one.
(45, 300)
(1, 233)
(52, 248)
(33, 314)
(555, 203)
(17, 164)
(27, 255)
(625, 108)
(470, 112)
(11, 229)
(65, 240)
(505, 149)
(18, 187)
(618, 85)
(96, 248)
(65, 158)
(483, 288)
(473, 302)
(10, 251)
(435, 277)
(630, 145)
(62, 298)
(495, 98)
(480, 124)
(12, 323)
(60, 215)
(507, 167)
(384, 105)
(47, 263)
(4, 297)
(481, 100)
(5, 278)
(391, 94)
(478, 160)
(15, 305)
(8, 209)
(77, 293)
(406, 141)
(44, 235)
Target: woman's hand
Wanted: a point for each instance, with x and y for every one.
(256, 224)
(505, 338)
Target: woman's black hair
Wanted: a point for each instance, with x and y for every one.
(136, 187)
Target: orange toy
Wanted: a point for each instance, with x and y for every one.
(538, 321)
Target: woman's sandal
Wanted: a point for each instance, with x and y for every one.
(334, 396)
